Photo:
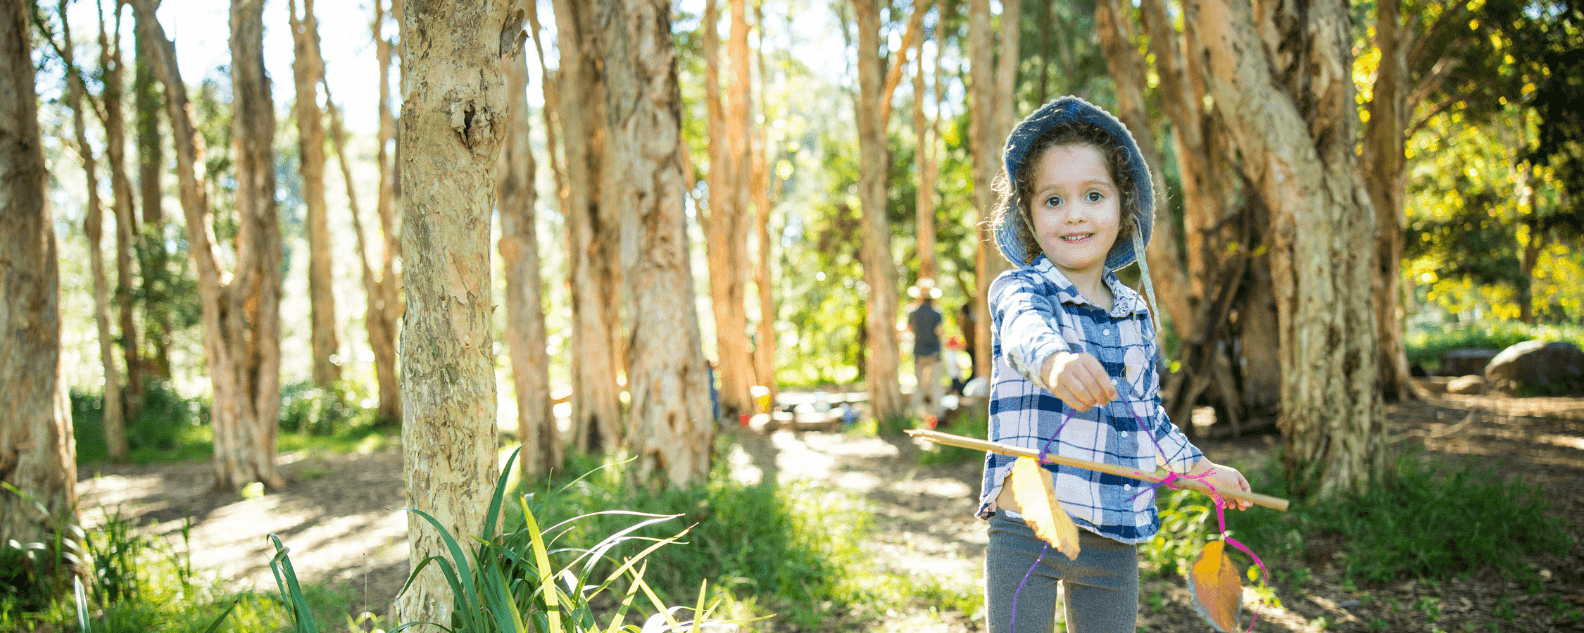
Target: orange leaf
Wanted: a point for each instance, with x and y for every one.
(1213, 585)
(1036, 496)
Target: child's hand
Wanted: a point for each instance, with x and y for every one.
(1224, 478)
(1079, 380)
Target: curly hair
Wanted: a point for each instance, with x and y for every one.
(1014, 190)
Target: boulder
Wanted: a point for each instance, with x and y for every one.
(1465, 362)
(1538, 367)
(1466, 385)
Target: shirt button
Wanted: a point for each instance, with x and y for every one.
(1106, 332)
(1124, 434)
(1127, 486)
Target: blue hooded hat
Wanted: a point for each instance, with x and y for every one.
(1075, 110)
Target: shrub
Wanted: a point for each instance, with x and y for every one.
(1426, 347)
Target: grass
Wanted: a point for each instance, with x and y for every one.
(1426, 347)
(139, 584)
(1424, 520)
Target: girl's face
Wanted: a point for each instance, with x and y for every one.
(1075, 208)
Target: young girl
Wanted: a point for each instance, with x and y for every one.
(1074, 349)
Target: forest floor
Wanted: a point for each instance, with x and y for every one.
(338, 517)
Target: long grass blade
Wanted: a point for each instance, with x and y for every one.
(302, 616)
(546, 572)
(495, 500)
(215, 626)
(626, 603)
(459, 559)
(82, 605)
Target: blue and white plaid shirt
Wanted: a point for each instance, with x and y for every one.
(1038, 312)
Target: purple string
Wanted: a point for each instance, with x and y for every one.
(1015, 594)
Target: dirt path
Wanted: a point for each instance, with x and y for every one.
(337, 516)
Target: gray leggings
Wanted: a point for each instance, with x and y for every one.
(1102, 585)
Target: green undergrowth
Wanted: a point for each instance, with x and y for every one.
(1426, 347)
(137, 583)
(791, 550)
(967, 424)
(1425, 519)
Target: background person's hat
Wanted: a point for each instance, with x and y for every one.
(926, 284)
(1071, 109)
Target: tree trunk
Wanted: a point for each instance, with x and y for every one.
(1178, 67)
(385, 303)
(307, 69)
(113, 419)
(885, 393)
(925, 202)
(154, 260)
(525, 319)
(1128, 71)
(37, 454)
(453, 118)
(592, 242)
(1292, 117)
(725, 216)
(126, 216)
(986, 137)
(670, 430)
(240, 316)
(1384, 160)
(764, 339)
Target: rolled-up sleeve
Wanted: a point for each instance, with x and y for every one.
(1026, 323)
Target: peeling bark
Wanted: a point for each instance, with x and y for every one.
(453, 119)
(525, 319)
(880, 370)
(37, 454)
(593, 235)
(307, 70)
(1291, 114)
(670, 429)
(93, 225)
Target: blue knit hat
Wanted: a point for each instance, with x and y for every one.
(1075, 110)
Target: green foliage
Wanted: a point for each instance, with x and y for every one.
(139, 584)
(308, 409)
(1425, 347)
(787, 549)
(168, 427)
(1423, 520)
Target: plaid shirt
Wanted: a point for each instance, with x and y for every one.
(1037, 312)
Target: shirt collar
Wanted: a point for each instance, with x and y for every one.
(1125, 300)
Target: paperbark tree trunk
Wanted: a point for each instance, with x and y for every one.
(453, 118)
(1384, 159)
(593, 241)
(724, 218)
(991, 100)
(113, 420)
(925, 202)
(764, 339)
(1128, 71)
(385, 305)
(1290, 112)
(525, 319)
(37, 454)
(670, 431)
(307, 69)
(240, 309)
(153, 259)
(251, 318)
(880, 371)
(126, 216)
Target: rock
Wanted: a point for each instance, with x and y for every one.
(1466, 385)
(1466, 361)
(1538, 366)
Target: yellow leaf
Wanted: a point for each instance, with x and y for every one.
(1036, 496)
(1214, 588)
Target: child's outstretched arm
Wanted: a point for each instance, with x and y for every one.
(1031, 340)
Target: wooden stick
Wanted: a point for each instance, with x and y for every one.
(1111, 469)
